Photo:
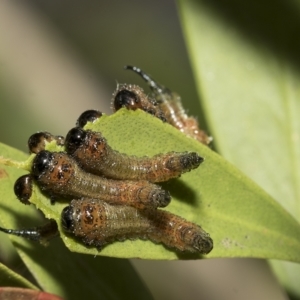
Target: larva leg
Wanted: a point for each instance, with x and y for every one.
(40, 234)
(97, 223)
(91, 151)
(57, 173)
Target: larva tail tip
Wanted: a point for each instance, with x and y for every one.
(197, 159)
(204, 244)
(191, 161)
(163, 199)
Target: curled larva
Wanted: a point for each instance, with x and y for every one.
(37, 141)
(94, 155)
(23, 188)
(170, 104)
(58, 174)
(88, 116)
(97, 223)
(133, 97)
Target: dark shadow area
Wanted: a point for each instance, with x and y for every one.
(274, 25)
(181, 191)
(188, 256)
(292, 296)
(23, 219)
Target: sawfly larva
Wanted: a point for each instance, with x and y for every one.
(92, 152)
(170, 104)
(97, 223)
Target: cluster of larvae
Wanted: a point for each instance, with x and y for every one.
(114, 196)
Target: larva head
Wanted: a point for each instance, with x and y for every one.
(42, 162)
(53, 170)
(133, 97)
(75, 139)
(37, 141)
(67, 219)
(128, 96)
(88, 116)
(85, 144)
(23, 188)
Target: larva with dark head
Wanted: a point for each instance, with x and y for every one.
(37, 141)
(170, 104)
(133, 97)
(97, 223)
(58, 174)
(94, 155)
(23, 188)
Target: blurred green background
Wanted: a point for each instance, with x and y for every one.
(62, 57)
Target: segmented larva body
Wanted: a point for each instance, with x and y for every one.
(171, 106)
(97, 223)
(133, 97)
(58, 174)
(94, 155)
(37, 141)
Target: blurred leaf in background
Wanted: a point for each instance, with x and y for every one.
(245, 59)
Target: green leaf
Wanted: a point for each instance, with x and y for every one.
(56, 269)
(241, 218)
(9, 278)
(250, 92)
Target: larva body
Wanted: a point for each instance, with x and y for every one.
(58, 174)
(97, 223)
(94, 155)
(170, 103)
